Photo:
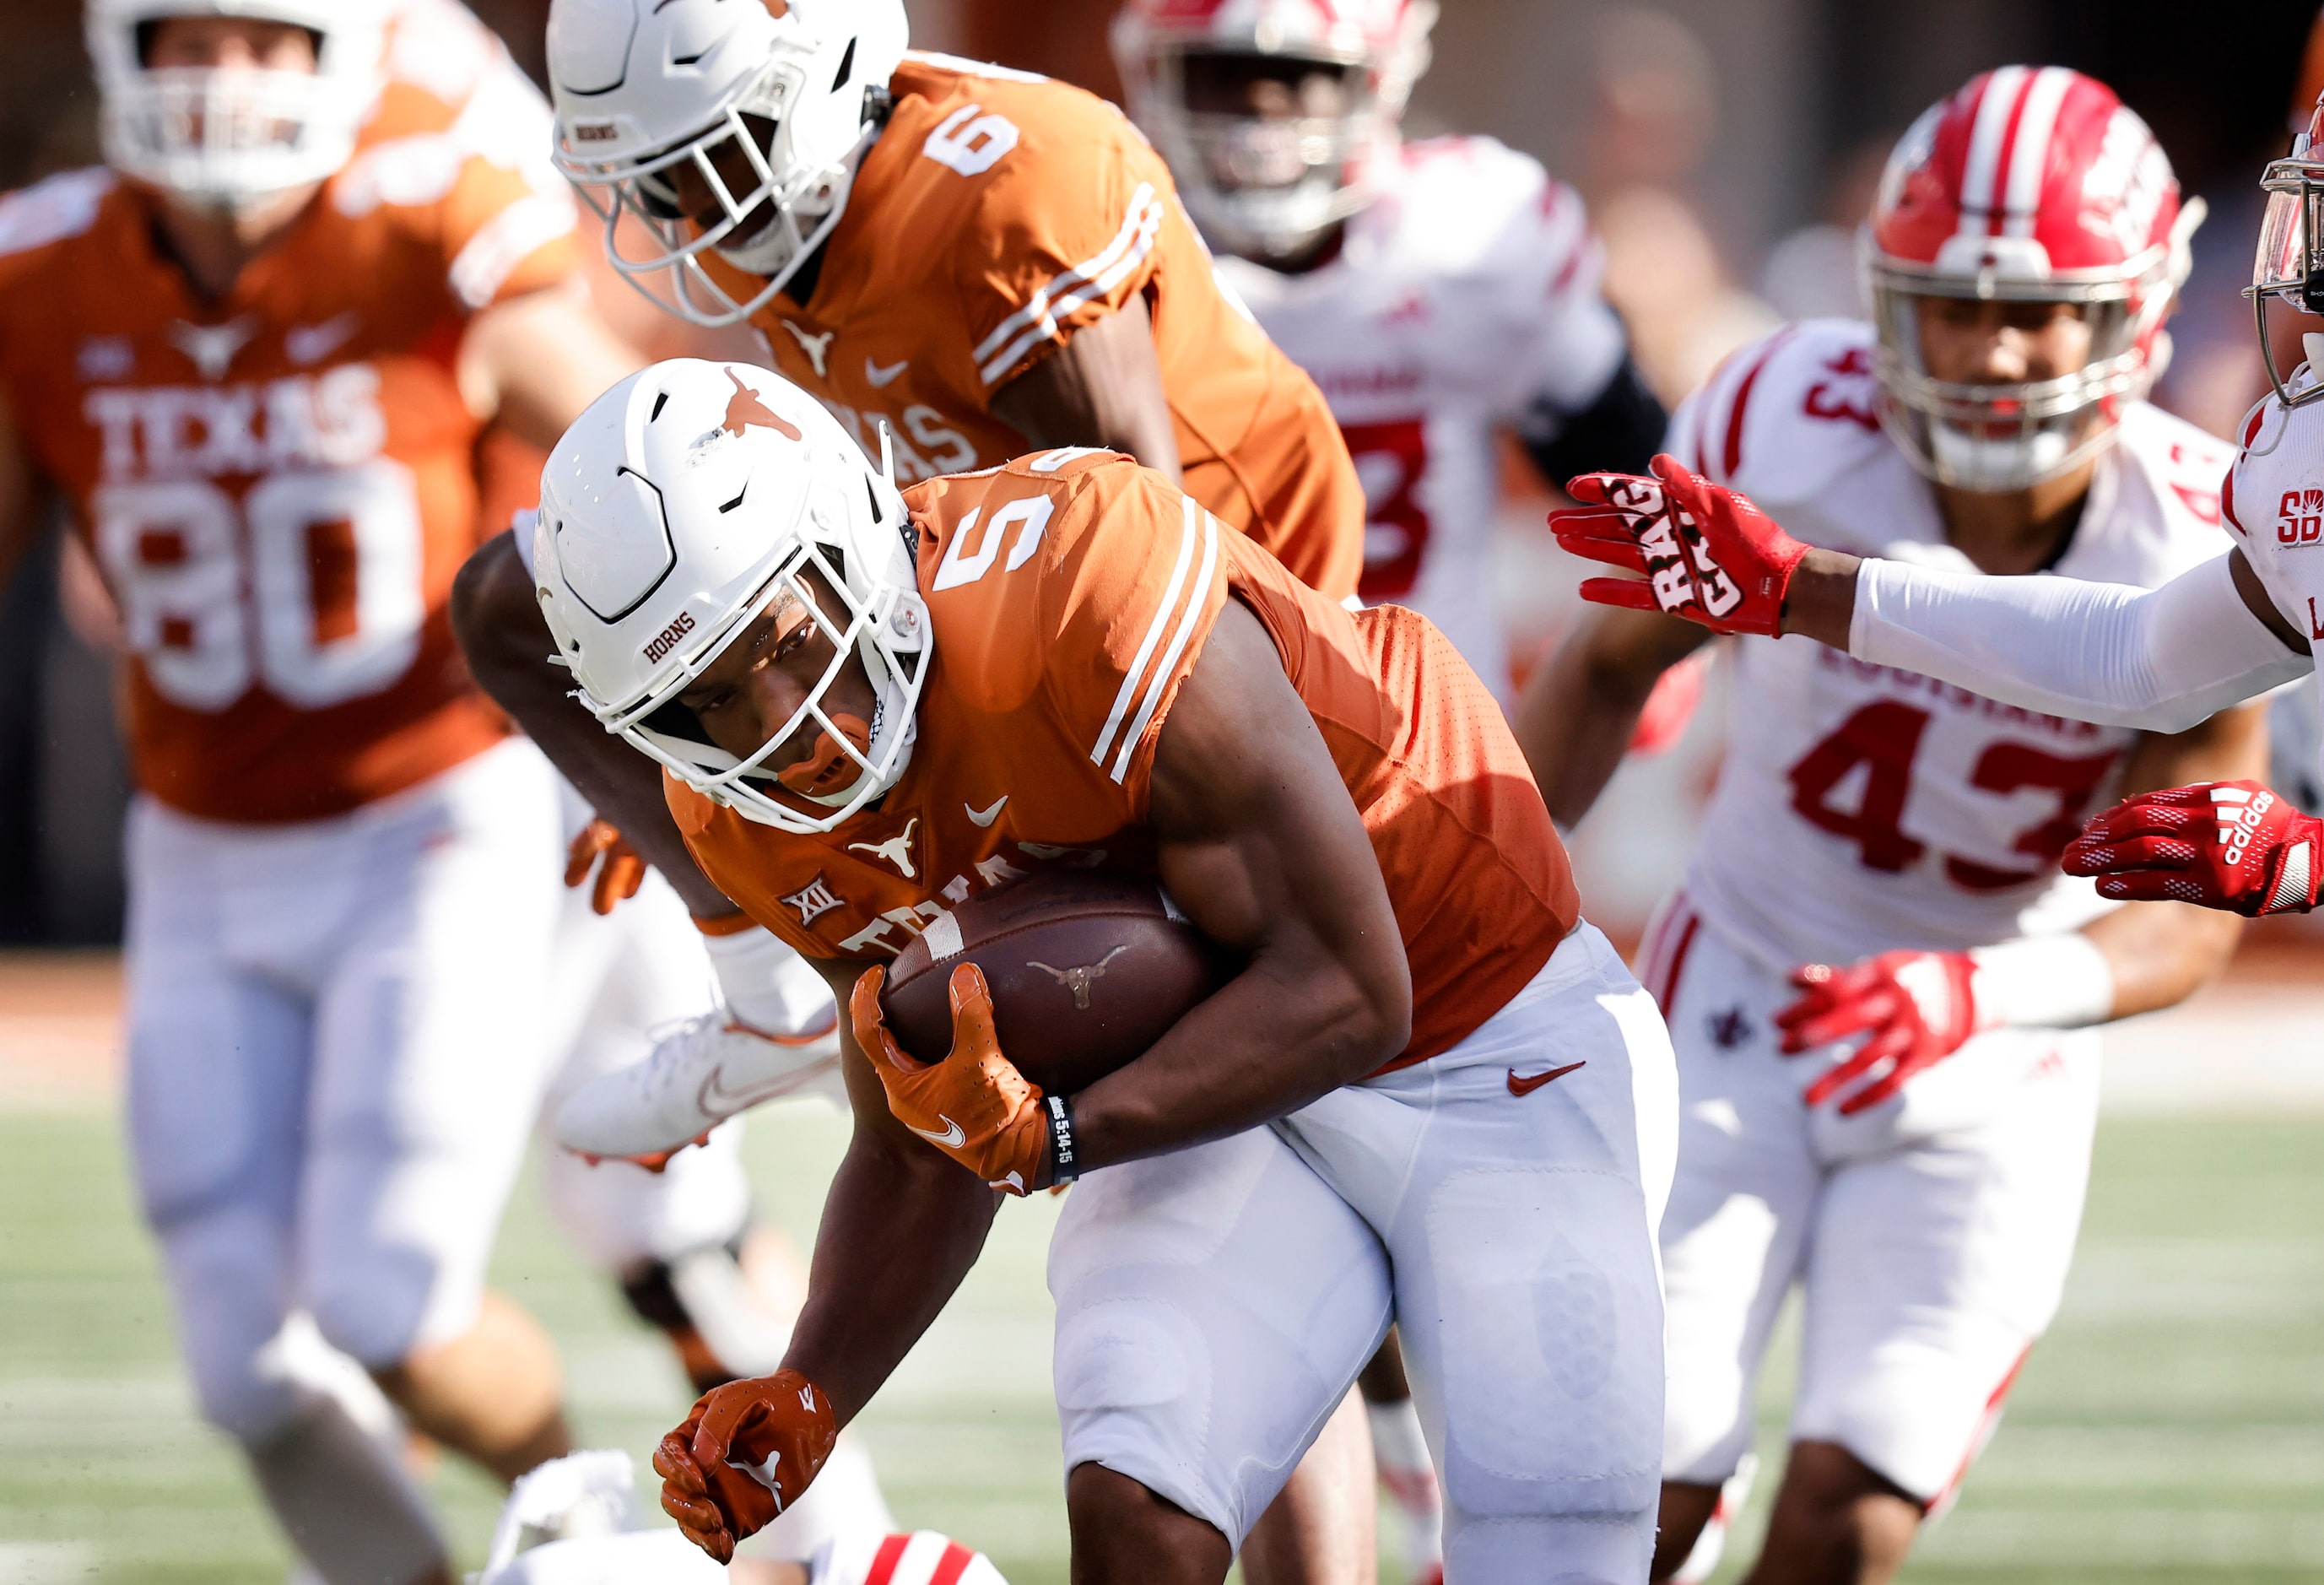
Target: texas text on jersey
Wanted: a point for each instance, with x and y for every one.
(1060, 660)
(998, 213)
(1879, 809)
(1465, 291)
(279, 485)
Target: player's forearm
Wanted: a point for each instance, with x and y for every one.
(1103, 388)
(507, 647)
(901, 1226)
(2163, 659)
(1269, 1042)
(1574, 724)
(1820, 602)
(2162, 953)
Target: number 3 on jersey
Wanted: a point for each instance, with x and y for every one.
(309, 585)
(1885, 738)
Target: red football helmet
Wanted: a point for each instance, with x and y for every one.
(2032, 184)
(2290, 264)
(1263, 185)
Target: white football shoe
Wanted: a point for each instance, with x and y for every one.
(712, 1068)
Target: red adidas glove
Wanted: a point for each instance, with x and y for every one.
(2224, 844)
(1915, 1008)
(975, 1106)
(618, 878)
(1708, 554)
(747, 1453)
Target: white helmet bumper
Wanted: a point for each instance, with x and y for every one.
(225, 139)
(681, 505)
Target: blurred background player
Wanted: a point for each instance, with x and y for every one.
(255, 355)
(1434, 290)
(345, 870)
(1921, 1174)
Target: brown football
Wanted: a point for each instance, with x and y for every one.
(1086, 971)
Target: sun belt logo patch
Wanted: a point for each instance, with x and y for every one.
(2300, 519)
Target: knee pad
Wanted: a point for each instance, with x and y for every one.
(704, 1302)
(379, 1311)
(225, 1274)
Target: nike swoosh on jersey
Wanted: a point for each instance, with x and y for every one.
(883, 378)
(989, 814)
(1529, 1084)
(951, 1139)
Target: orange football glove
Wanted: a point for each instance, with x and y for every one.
(746, 1454)
(975, 1106)
(617, 878)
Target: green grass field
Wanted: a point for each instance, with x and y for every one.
(2170, 1429)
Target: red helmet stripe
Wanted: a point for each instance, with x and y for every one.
(1997, 110)
(2027, 160)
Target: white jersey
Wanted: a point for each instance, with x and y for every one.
(1466, 291)
(2274, 503)
(1861, 807)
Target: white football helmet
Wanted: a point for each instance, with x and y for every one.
(225, 139)
(798, 90)
(1267, 188)
(678, 507)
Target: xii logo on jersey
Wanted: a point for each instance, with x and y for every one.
(2300, 517)
(813, 900)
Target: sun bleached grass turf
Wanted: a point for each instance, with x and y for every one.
(2171, 1431)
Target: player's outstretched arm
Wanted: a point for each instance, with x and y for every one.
(508, 646)
(1260, 844)
(1104, 387)
(901, 1226)
(2163, 660)
(1580, 708)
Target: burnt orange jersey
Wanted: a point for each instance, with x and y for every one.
(997, 213)
(1070, 594)
(280, 486)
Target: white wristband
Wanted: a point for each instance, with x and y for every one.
(766, 985)
(2043, 983)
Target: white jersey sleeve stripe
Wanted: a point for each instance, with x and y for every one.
(1069, 288)
(1160, 681)
(1154, 632)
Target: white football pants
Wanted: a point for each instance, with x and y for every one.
(1930, 1234)
(1215, 1304)
(336, 1055)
